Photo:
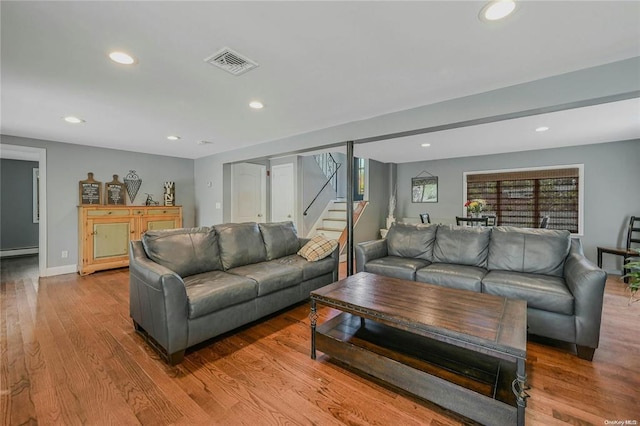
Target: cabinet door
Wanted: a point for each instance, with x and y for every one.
(156, 224)
(109, 240)
(160, 218)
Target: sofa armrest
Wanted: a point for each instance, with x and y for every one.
(368, 251)
(158, 300)
(586, 282)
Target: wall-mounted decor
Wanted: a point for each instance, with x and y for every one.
(169, 193)
(132, 182)
(90, 191)
(115, 192)
(424, 189)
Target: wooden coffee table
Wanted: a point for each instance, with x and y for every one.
(462, 350)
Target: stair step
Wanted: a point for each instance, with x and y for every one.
(330, 233)
(336, 214)
(329, 223)
(325, 228)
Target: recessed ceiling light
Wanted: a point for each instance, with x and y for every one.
(173, 138)
(121, 58)
(542, 129)
(73, 120)
(426, 144)
(497, 9)
(256, 104)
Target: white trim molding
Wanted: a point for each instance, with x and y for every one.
(18, 252)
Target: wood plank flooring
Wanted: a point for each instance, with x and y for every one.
(69, 356)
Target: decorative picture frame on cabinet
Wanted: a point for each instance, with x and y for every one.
(90, 191)
(116, 192)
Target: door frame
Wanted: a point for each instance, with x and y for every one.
(27, 153)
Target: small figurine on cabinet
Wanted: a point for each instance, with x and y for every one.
(149, 201)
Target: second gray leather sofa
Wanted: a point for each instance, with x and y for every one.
(547, 268)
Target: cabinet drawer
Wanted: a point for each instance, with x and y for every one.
(108, 212)
(138, 212)
(166, 211)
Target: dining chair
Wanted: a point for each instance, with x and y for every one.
(424, 217)
(492, 219)
(627, 252)
(472, 221)
(544, 222)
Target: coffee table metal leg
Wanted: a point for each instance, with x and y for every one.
(519, 389)
(313, 317)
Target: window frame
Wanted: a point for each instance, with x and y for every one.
(580, 168)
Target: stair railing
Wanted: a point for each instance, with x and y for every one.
(329, 166)
(333, 175)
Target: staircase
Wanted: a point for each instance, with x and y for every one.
(333, 223)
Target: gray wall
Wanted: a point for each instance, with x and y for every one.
(342, 174)
(16, 205)
(374, 217)
(67, 164)
(611, 176)
(605, 80)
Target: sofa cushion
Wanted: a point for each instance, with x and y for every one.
(453, 276)
(396, 267)
(310, 270)
(240, 244)
(216, 290)
(186, 251)
(270, 276)
(318, 248)
(540, 291)
(536, 251)
(280, 239)
(411, 240)
(462, 245)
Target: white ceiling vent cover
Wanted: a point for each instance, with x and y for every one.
(232, 62)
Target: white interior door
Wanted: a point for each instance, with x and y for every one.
(283, 198)
(248, 192)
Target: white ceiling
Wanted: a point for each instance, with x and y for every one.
(321, 64)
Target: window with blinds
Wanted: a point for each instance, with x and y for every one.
(522, 198)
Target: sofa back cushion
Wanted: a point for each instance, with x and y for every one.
(240, 244)
(462, 245)
(186, 251)
(280, 239)
(411, 240)
(536, 251)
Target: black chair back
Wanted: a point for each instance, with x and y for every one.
(492, 219)
(472, 221)
(544, 223)
(633, 233)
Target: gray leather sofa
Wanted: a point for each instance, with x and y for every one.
(547, 268)
(189, 285)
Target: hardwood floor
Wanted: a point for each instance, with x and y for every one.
(69, 355)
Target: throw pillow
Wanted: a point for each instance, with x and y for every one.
(318, 248)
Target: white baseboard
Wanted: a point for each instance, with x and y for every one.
(18, 252)
(61, 270)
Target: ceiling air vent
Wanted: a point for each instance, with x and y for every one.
(232, 62)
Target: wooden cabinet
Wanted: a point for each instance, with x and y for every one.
(104, 232)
